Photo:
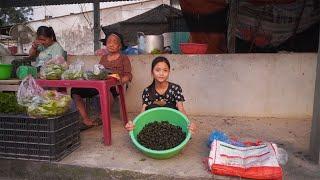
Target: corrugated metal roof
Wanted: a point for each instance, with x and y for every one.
(157, 15)
(21, 3)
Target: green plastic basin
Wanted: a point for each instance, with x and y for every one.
(5, 71)
(173, 116)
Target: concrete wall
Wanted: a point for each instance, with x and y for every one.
(272, 85)
(75, 32)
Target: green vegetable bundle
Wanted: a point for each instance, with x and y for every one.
(52, 71)
(156, 51)
(75, 71)
(72, 75)
(89, 75)
(9, 104)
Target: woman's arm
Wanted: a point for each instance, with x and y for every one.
(33, 52)
(264, 2)
(126, 75)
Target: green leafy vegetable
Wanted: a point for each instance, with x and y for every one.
(50, 104)
(53, 71)
(89, 75)
(9, 104)
(72, 75)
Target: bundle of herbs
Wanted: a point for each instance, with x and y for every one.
(9, 104)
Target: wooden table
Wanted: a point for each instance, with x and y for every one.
(9, 85)
(103, 87)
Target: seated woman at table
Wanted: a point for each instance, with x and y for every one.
(114, 60)
(46, 47)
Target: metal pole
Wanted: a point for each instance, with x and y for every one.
(232, 19)
(96, 24)
(315, 128)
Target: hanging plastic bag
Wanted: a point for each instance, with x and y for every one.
(75, 71)
(28, 89)
(53, 69)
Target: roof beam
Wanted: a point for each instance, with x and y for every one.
(23, 3)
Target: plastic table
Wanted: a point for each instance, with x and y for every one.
(103, 87)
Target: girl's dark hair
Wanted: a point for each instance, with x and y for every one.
(46, 32)
(155, 61)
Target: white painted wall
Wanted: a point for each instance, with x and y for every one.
(75, 32)
(39, 12)
(270, 85)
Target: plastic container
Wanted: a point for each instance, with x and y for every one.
(193, 48)
(43, 139)
(24, 71)
(173, 116)
(5, 71)
(17, 63)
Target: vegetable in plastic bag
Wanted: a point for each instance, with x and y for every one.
(53, 69)
(98, 73)
(41, 103)
(74, 72)
(49, 104)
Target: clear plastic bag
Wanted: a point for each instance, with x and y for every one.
(282, 156)
(75, 71)
(98, 73)
(49, 104)
(28, 89)
(53, 69)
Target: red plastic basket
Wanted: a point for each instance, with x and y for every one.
(193, 48)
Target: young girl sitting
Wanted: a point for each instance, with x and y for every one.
(161, 92)
(118, 63)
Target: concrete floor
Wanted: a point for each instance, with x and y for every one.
(290, 134)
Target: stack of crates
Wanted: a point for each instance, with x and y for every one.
(43, 139)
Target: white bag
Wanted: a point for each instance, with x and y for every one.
(256, 162)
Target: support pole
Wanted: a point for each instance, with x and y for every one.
(232, 24)
(315, 128)
(96, 24)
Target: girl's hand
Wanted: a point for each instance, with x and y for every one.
(192, 128)
(129, 126)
